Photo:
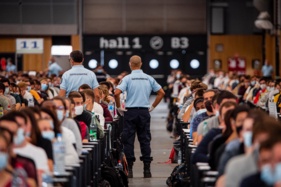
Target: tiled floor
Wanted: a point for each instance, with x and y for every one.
(160, 145)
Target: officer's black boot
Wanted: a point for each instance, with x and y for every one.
(130, 170)
(146, 170)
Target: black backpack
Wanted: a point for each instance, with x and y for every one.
(179, 177)
(113, 176)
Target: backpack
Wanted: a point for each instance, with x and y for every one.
(179, 177)
(112, 175)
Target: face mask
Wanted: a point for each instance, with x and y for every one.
(270, 88)
(60, 115)
(178, 76)
(19, 137)
(248, 138)
(67, 113)
(208, 105)
(84, 106)
(277, 172)
(28, 88)
(7, 90)
(193, 95)
(3, 160)
(44, 87)
(99, 70)
(49, 135)
(263, 86)
(253, 83)
(238, 129)
(267, 175)
(78, 110)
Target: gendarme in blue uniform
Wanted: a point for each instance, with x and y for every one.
(75, 77)
(138, 86)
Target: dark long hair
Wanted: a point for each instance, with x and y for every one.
(35, 133)
(227, 120)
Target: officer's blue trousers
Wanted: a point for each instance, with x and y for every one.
(137, 121)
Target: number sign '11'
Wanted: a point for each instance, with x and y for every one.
(30, 45)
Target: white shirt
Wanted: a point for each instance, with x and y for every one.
(29, 98)
(71, 156)
(35, 153)
(98, 110)
(182, 94)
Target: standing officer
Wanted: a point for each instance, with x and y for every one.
(138, 86)
(78, 75)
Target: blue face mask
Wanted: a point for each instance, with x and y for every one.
(19, 138)
(67, 113)
(3, 160)
(267, 175)
(278, 172)
(248, 138)
(49, 135)
(28, 88)
(60, 115)
(44, 87)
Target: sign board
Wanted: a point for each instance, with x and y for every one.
(145, 42)
(272, 109)
(29, 45)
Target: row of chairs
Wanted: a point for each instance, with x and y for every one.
(88, 171)
(199, 175)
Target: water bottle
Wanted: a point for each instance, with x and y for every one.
(1, 110)
(179, 157)
(111, 108)
(59, 154)
(93, 131)
(19, 176)
(119, 165)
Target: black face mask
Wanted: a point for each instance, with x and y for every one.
(239, 129)
(208, 105)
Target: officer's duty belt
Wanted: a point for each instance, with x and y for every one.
(139, 108)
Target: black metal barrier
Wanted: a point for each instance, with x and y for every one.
(88, 171)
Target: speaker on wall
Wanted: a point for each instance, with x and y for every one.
(217, 20)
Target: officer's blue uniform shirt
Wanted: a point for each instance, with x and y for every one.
(138, 86)
(55, 69)
(75, 77)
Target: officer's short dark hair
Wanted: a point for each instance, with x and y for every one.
(77, 56)
(84, 86)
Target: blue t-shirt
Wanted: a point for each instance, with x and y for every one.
(197, 120)
(75, 77)
(138, 86)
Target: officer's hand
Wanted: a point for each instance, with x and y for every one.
(121, 111)
(151, 108)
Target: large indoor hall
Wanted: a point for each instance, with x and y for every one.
(140, 93)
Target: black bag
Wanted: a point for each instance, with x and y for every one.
(179, 177)
(112, 175)
(104, 183)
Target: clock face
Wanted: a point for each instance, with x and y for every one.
(156, 42)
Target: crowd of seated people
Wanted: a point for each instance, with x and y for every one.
(34, 116)
(230, 126)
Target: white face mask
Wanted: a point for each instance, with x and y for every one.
(263, 86)
(78, 110)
